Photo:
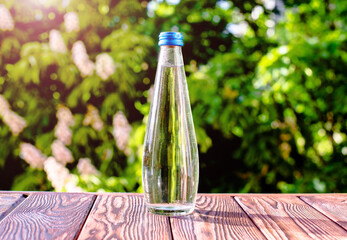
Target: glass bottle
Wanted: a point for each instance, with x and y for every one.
(170, 164)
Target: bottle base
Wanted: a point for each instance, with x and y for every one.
(171, 210)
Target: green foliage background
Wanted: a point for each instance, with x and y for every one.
(269, 105)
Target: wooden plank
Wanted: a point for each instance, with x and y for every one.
(8, 202)
(47, 216)
(287, 217)
(123, 216)
(332, 206)
(215, 217)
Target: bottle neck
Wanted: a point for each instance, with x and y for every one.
(170, 56)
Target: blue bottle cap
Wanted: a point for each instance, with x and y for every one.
(171, 38)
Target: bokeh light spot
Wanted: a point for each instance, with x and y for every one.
(146, 80)
(54, 76)
(51, 15)
(56, 95)
(103, 9)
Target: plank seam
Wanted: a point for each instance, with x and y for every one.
(170, 228)
(322, 213)
(87, 216)
(9, 212)
(249, 217)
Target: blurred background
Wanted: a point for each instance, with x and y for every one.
(267, 84)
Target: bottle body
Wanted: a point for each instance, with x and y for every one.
(170, 166)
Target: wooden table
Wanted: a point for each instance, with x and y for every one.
(46, 215)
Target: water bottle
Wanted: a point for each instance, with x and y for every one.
(170, 164)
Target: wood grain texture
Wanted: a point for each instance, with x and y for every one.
(47, 216)
(332, 206)
(288, 217)
(215, 217)
(8, 202)
(124, 216)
